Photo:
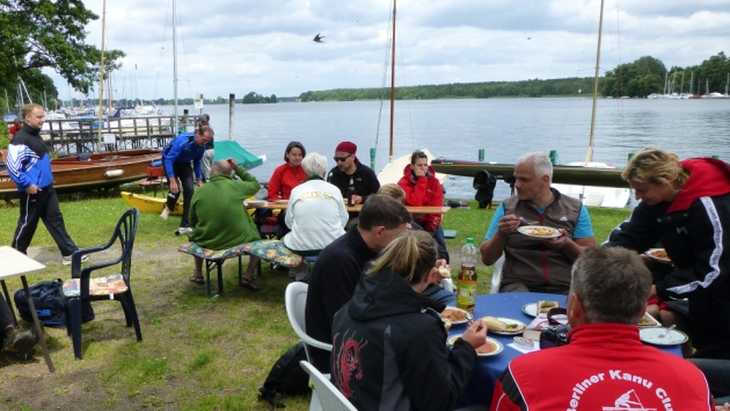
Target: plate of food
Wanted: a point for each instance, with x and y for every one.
(539, 231)
(254, 203)
(455, 315)
(542, 306)
(649, 321)
(658, 254)
(490, 348)
(662, 336)
(503, 325)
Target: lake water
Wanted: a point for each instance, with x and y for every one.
(505, 128)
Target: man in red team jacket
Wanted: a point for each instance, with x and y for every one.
(604, 366)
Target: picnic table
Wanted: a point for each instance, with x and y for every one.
(283, 204)
(489, 369)
(17, 264)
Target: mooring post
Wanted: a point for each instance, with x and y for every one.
(231, 105)
(481, 155)
(630, 156)
(372, 157)
(554, 157)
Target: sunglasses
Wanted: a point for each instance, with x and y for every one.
(339, 159)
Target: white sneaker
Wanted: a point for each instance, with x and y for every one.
(183, 231)
(165, 213)
(66, 260)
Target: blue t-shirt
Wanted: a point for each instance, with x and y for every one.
(583, 227)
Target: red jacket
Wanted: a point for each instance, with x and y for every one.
(284, 179)
(604, 367)
(423, 191)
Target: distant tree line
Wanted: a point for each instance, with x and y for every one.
(526, 88)
(648, 75)
(250, 98)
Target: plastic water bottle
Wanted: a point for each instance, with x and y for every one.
(467, 280)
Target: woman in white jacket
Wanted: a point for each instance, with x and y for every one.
(316, 214)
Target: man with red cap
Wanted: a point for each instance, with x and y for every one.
(355, 180)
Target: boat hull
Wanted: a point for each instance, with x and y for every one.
(99, 170)
(587, 176)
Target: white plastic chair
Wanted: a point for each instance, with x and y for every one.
(329, 396)
(296, 302)
(497, 275)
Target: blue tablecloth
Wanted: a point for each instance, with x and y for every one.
(489, 369)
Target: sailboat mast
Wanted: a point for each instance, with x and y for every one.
(174, 66)
(392, 86)
(589, 154)
(101, 68)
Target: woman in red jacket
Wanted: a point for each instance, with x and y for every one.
(288, 175)
(422, 189)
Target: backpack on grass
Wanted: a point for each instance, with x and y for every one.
(50, 304)
(286, 377)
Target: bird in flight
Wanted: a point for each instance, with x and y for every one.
(318, 38)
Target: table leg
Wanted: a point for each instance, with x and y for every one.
(7, 301)
(37, 325)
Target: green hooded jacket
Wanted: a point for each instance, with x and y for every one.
(217, 215)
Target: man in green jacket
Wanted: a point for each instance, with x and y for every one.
(218, 218)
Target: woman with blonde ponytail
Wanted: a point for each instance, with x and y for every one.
(685, 208)
(389, 343)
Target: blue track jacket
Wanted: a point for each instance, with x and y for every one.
(183, 150)
(28, 161)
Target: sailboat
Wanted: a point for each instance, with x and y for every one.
(393, 171)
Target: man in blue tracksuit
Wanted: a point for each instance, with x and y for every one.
(29, 165)
(176, 158)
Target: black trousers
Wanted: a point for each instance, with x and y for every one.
(184, 173)
(43, 206)
(6, 318)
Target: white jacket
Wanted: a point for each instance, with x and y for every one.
(316, 216)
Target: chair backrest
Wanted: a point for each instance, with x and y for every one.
(330, 398)
(497, 275)
(295, 299)
(126, 231)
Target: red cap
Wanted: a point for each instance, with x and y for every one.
(346, 147)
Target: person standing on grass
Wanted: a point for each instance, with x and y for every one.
(176, 158)
(29, 166)
(218, 218)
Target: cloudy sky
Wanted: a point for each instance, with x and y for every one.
(266, 45)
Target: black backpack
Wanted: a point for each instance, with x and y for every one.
(50, 304)
(286, 377)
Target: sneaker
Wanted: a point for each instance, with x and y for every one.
(20, 341)
(165, 213)
(66, 260)
(183, 231)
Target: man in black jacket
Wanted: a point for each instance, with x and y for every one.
(355, 180)
(341, 264)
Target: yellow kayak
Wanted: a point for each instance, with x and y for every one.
(149, 204)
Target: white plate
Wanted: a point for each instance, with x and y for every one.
(649, 318)
(451, 340)
(508, 321)
(464, 321)
(662, 336)
(530, 309)
(254, 203)
(525, 230)
(650, 253)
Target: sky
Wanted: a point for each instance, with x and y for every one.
(237, 46)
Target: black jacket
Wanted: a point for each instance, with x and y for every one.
(389, 350)
(334, 277)
(362, 182)
(696, 237)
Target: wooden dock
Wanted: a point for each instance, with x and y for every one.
(115, 134)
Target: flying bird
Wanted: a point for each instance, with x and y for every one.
(318, 38)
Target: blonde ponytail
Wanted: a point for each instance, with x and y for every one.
(411, 255)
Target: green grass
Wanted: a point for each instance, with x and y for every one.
(197, 353)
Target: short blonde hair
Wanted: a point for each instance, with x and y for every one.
(28, 108)
(655, 166)
(394, 191)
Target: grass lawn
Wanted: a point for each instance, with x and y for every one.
(197, 353)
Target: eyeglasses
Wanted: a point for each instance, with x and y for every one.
(339, 159)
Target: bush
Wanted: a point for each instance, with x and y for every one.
(4, 136)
